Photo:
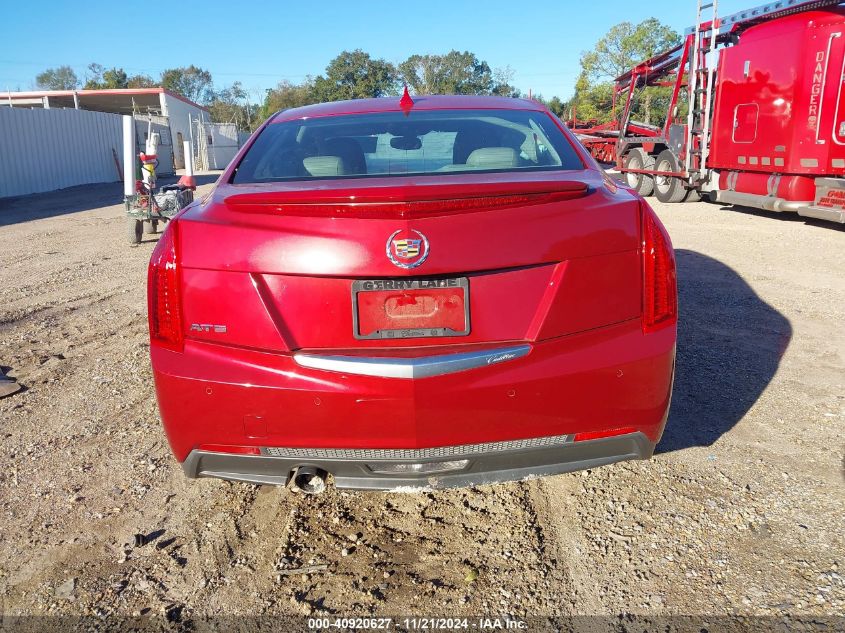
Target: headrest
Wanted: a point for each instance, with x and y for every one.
(350, 151)
(493, 158)
(324, 166)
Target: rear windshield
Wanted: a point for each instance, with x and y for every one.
(393, 144)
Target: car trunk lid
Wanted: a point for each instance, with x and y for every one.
(493, 257)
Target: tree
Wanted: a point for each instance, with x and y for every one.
(140, 81)
(191, 82)
(93, 75)
(61, 78)
(99, 78)
(592, 101)
(232, 105)
(625, 45)
(622, 47)
(455, 73)
(558, 107)
(502, 86)
(288, 95)
(355, 75)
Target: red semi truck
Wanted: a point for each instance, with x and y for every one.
(756, 115)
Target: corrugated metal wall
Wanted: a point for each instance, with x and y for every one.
(43, 150)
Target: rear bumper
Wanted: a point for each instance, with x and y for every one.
(355, 468)
(609, 378)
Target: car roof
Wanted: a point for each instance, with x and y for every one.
(421, 102)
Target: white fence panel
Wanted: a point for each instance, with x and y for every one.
(218, 144)
(43, 150)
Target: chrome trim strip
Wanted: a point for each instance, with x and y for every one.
(422, 367)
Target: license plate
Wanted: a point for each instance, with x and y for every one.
(410, 308)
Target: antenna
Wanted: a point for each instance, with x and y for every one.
(406, 103)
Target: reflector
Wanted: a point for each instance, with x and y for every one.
(594, 435)
(235, 450)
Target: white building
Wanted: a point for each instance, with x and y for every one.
(147, 104)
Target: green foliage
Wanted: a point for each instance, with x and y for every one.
(141, 81)
(615, 54)
(191, 82)
(350, 75)
(355, 75)
(93, 76)
(454, 73)
(625, 45)
(592, 101)
(61, 78)
(559, 108)
(288, 95)
(502, 87)
(99, 78)
(231, 105)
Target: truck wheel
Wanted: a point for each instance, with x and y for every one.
(135, 230)
(668, 188)
(643, 184)
(151, 227)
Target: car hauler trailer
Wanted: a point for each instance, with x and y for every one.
(756, 115)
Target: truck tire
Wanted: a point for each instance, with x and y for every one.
(693, 195)
(668, 188)
(135, 231)
(643, 184)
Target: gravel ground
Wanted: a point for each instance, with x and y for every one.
(740, 514)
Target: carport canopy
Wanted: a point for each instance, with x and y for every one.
(117, 101)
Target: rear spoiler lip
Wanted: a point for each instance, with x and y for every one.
(376, 196)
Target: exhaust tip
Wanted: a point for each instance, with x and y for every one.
(309, 480)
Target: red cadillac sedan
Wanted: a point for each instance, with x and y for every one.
(401, 294)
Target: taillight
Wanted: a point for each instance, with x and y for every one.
(660, 292)
(163, 290)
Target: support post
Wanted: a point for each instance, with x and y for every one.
(191, 133)
(128, 155)
(189, 158)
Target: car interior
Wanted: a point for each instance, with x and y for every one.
(318, 149)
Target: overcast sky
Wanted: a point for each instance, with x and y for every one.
(260, 43)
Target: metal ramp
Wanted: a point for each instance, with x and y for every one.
(702, 70)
